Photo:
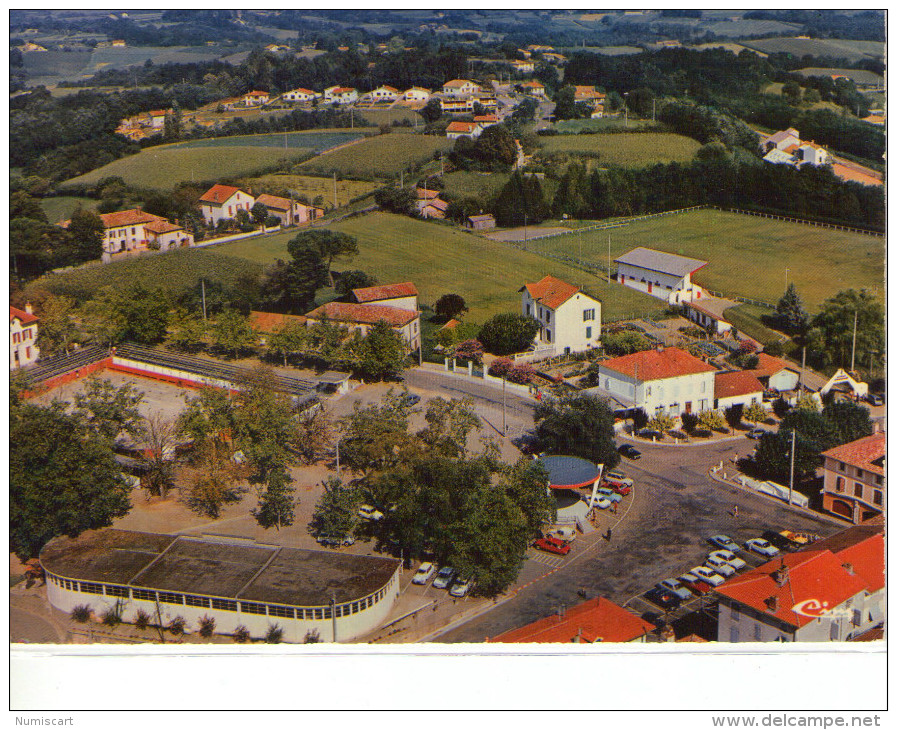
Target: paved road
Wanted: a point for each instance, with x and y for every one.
(675, 508)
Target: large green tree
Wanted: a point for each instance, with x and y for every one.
(790, 312)
(276, 507)
(109, 410)
(375, 437)
(521, 201)
(848, 421)
(336, 512)
(86, 229)
(577, 425)
(134, 313)
(506, 334)
(834, 326)
(57, 330)
(232, 332)
(381, 353)
(449, 423)
(329, 245)
(63, 478)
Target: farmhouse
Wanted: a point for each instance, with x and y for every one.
(486, 120)
(463, 129)
(156, 118)
(126, 230)
(533, 88)
(484, 222)
(587, 93)
(162, 236)
(569, 319)
(290, 212)
(775, 374)
(255, 98)
(523, 67)
(267, 323)
(853, 484)
(460, 87)
(666, 380)
(708, 312)
(829, 591)
(234, 580)
(221, 202)
(385, 93)
(432, 208)
(23, 349)
(403, 295)
(300, 95)
(662, 275)
(361, 317)
(736, 388)
(781, 140)
(340, 95)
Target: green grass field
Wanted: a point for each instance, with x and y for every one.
(316, 140)
(388, 116)
(626, 150)
(848, 50)
(575, 126)
(475, 184)
(61, 207)
(382, 156)
(170, 271)
(748, 318)
(440, 259)
(747, 255)
(311, 187)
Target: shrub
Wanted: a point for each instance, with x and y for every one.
(241, 634)
(639, 419)
(81, 614)
(206, 626)
(312, 637)
(501, 366)
(774, 349)
(689, 421)
(176, 625)
(112, 616)
(274, 635)
(712, 420)
(142, 621)
(678, 434)
(522, 374)
(469, 350)
(747, 347)
(702, 433)
(661, 422)
(780, 407)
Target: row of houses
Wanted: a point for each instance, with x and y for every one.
(223, 202)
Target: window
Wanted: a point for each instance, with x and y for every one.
(734, 636)
(857, 617)
(529, 309)
(758, 632)
(879, 479)
(859, 473)
(703, 386)
(839, 484)
(588, 333)
(222, 605)
(327, 612)
(120, 591)
(282, 611)
(841, 466)
(876, 497)
(857, 489)
(547, 316)
(588, 315)
(548, 335)
(92, 588)
(319, 613)
(835, 631)
(177, 598)
(141, 595)
(736, 614)
(258, 608)
(198, 601)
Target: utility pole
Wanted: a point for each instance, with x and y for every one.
(402, 179)
(338, 472)
(803, 364)
(791, 480)
(335, 202)
(203, 282)
(853, 350)
(608, 258)
(524, 229)
(333, 613)
(504, 408)
(654, 110)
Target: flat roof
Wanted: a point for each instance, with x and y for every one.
(660, 261)
(569, 472)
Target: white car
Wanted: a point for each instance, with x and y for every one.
(708, 576)
(567, 534)
(720, 566)
(444, 577)
(729, 557)
(761, 547)
(600, 502)
(461, 588)
(424, 573)
(367, 512)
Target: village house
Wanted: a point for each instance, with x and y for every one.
(162, 235)
(853, 484)
(486, 120)
(385, 93)
(775, 373)
(460, 87)
(523, 67)
(290, 212)
(125, 230)
(736, 388)
(416, 95)
(432, 208)
(831, 590)
(255, 98)
(457, 105)
(265, 324)
(403, 295)
(662, 275)
(361, 317)
(463, 129)
(586, 94)
(569, 319)
(156, 118)
(556, 58)
(340, 95)
(23, 349)
(533, 88)
(300, 95)
(596, 620)
(708, 312)
(221, 202)
(660, 381)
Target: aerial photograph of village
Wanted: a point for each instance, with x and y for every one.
(447, 328)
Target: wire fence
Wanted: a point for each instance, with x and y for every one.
(803, 221)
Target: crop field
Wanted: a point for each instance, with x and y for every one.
(626, 150)
(388, 116)
(317, 140)
(441, 259)
(480, 185)
(382, 156)
(851, 51)
(61, 207)
(170, 271)
(104, 58)
(575, 126)
(747, 255)
(56, 65)
(311, 187)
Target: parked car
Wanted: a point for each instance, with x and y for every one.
(616, 475)
(609, 494)
(410, 399)
(761, 547)
(729, 557)
(720, 566)
(630, 452)
(615, 479)
(875, 399)
(444, 577)
(693, 583)
(461, 588)
(663, 598)
(724, 542)
(424, 573)
(778, 540)
(551, 545)
(566, 534)
(334, 541)
(622, 490)
(367, 512)
(757, 433)
(707, 575)
(675, 587)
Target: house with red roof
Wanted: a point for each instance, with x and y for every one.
(853, 481)
(460, 87)
(596, 620)
(533, 88)
(125, 230)
(569, 319)
(828, 591)
(463, 129)
(361, 317)
(665, 380)
(340, 95)
(385, 93)
(403, 295)
(23, 349)
(660, 274)
(289, 212)
(256, 98)
(221, 202)
(736, 388)
(300, 95)
(164, 236)
(775, 373)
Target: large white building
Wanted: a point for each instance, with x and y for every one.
(222, 202)
(829, 591)
(460, 87)
(660, 274)
(569, 319)
(666, 380)
(235, 581)
(23, 349)
(340, 95)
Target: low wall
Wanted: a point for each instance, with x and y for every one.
(234, 237)
(157, 372)
(68, 377)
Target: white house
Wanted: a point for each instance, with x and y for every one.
(832, 590)
(463, 129)
(340, 95)
(256, 98)
(523, 67)
(290, 212)
(668, 380)
(736, 388)
(708, 312)
(163, 236)
(234, 580)
(457, 105)
(569, 319)
(487, 120)
(23, 349)
(853, 485)
(125, 230)
(416, 95)
(157, 118)
(300, 95)
(662, 275)
(222, 202)
(533, 88)
(460, 87)
(775, 374)
(811, 153)
(781, 140)
(403, 295)
(385, 93)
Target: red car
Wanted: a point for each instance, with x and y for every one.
(622, 489)
(552, 545)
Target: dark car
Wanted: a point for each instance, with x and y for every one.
(410, 399)
(663, 598)
(778, 540)
(630, 452)
(875, 399)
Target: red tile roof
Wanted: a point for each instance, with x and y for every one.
(363, 313)
(670, 362)
(738, 382)
(386, 291)
(864, 453)
(438, 204)
(273, 202)
(486, 118)
(768, 365)
(867, 561)
(271, 321)
(256, 93)
(23, 317)
(457, 83)
(423, 194)
(461, 126)
(218, 194)
(596, 620)
(551, 291)
(131, 217)
(162, 227)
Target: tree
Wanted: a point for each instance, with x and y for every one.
(402, 201)
(87, 230)
(231, 331)
(336, 512)
(214, 481)
(158, 458)
(276, 503)
(835, 323)
(349, 280)
(288, 339)
(495, 148)
(382, 353)
(109, 411)
(468, 350)
(375, 437)
(624, 343)
(63, 478)
(521, 201)
(506, 334)
(327, 243)
(57, 329)
(314, 434)
(661, 422)
(174, 123)
(449, 306)
(526, 483)
(208, 416)
(790, 313)
(525, 111)
(259, 213)
(449, 423)
(432, 111)
(712, 420)
(135, 313)
(755, 413)
(791, 91)
(848, 421)
(565, 104)
(189, 331)
(577, 425)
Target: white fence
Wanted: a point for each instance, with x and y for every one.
(235, 237)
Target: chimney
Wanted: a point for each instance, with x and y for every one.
(578, 638)
(28, 308)
(772, 604)
(849, 568)
(780, 576)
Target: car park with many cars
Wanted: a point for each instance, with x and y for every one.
(444, 577)
(424, 573)
(729, 557)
